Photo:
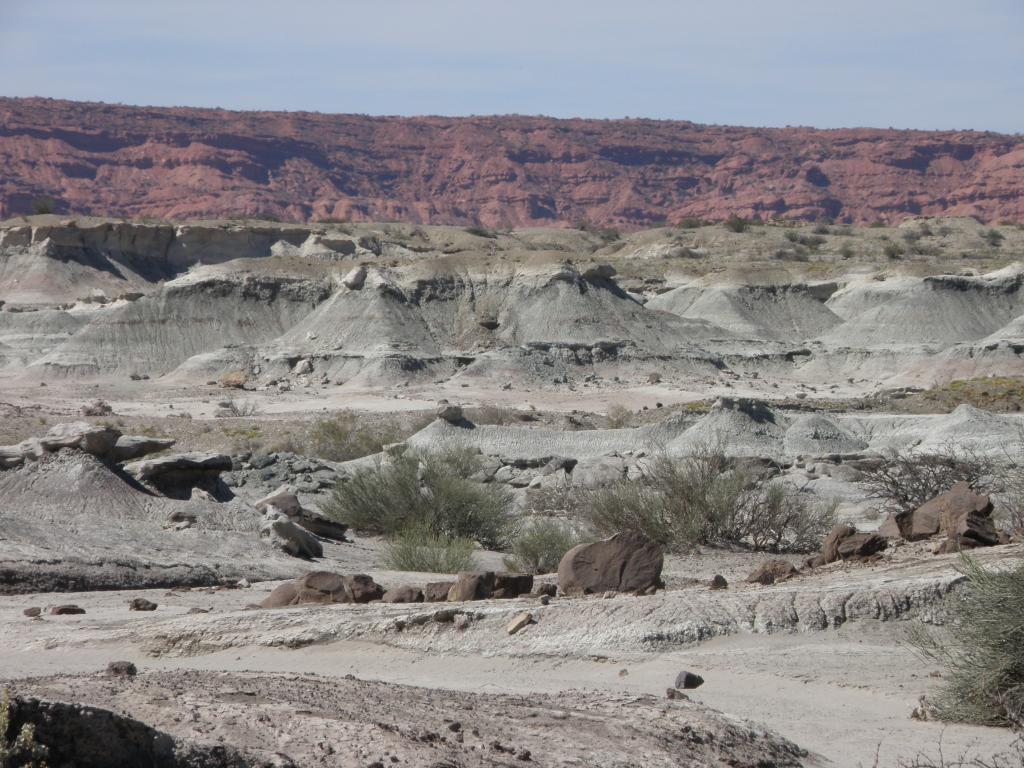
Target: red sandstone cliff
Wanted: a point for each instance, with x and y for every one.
(498, 171)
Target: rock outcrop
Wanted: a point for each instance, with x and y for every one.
(961, 516)
(105, 443)
(323, 588)
(496, 171)
(626, 562)
(285, 501)
(175, 475)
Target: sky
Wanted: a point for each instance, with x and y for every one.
(933, 64)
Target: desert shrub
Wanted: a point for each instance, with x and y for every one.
(691, 223)
(232, 408)
(847, 251)
(490, 234)
(736, 224)
(42, 205)
(993, 237)
(1012, 757)
(892, 251)
(418, 548)
(247, 437)
(619, 417)
(709, 498)
(425, 489)
(606, 234)
(344, 436)
(493, 414)
(23, 751)
(808, 241)
(906, 479)
(982, 649)
(798, 254)
(821, 229)
(540, 546)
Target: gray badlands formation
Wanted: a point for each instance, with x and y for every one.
(150, 523)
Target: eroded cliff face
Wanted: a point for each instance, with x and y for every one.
(495, 171)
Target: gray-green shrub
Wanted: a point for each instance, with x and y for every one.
(418, 548)
(345, 435)
(982, 649)
(708, 498)
(540, 545)
(425, 489)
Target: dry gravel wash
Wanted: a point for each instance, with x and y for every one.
(317, 720)
(915, 588)
(818, 660)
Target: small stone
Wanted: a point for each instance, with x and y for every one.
(688, 680)
(141, 604)
(718, 582)
(519, 622)
(462, 621)
(32, 612)
(196, 609)
(675, 693)
(66, 610)
(121, 669)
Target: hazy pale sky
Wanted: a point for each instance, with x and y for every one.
(901, 63)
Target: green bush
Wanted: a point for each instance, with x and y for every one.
(892, 251)
(982, 649)
(708, 498)
(42, 205)
(539, 548)
(735, 224)
(24, 750)
(994, 237)
(345, 435)
(418, 548)
(425, 489)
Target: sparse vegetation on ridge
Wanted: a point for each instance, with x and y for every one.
(709, 499)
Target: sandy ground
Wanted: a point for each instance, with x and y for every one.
(844, 694)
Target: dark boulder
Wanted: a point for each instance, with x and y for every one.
(404, 594)
(772, 571)
(627, 562)
(324, 588)
(437, 591)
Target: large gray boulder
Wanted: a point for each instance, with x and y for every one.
(176, 474)
(285, 499)
(130, 447)
(103, 442)
(95, 439)
(289, 537)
